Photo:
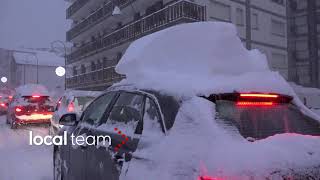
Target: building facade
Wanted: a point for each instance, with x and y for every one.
(30, 66)
(100, 37)
(303, 41)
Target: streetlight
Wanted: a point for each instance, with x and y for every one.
(60, 71)
(4, 79)
(65, 60)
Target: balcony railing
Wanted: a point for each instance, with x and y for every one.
(103, 12)
(182, 11)
(75, 7)
(99, 77)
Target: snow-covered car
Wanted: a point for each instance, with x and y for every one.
(205, 110)
(73, 101)
(31, 104)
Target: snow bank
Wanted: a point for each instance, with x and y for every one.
(198, 58)
(198, 144)
(32, 89)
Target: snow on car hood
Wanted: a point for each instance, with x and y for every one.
(198, 58)
(198, 144)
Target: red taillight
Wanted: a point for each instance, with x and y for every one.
(10, 97)
(18, 109)
(207, 178)
(35, 96)
(2, 104)
(248, 103)
(71, 107)
(253, 95)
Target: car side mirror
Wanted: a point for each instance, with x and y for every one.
(68, 119)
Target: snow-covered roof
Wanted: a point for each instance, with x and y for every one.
(45, 58)
(198, 58)
(32, 89)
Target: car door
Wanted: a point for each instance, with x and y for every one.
(124, 126)
(91, 116)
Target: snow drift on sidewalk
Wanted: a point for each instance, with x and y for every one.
(198, 58)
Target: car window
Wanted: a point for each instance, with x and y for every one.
(82, 101)
(127, 113)
(261, 122)
(94, 112)
(152, 120)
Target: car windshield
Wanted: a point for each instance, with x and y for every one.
(262, 121)
(36, 99)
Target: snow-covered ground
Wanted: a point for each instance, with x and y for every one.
(19, 160)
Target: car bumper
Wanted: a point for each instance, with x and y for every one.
(36, 121)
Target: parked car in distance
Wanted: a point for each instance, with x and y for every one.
(73, 101)
(30, 105)
(4, 103)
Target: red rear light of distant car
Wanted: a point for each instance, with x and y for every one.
(71, 107)
(261, 99)
(35, 96)
(256, 95)
(244, 103)
(10, 97)
(207, 178)
(18, 109)
(3, 105)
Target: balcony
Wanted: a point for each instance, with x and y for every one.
(96, 17)
(180, 12)
(106, 76)
(75, 7)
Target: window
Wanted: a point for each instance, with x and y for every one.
(254, 21)
(93, 66)
(83, 69)
(96, 110)
(74, 71)
(260, 123)
(301, 45)
(280, 2)
(239, 17)
(221, 11)
(126, 114)
(152, 120)
(278, 61)
(277, 27)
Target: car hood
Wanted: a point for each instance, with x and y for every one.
(198, 145)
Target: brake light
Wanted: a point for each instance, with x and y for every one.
(248, 103)
(35, 96)
(10, 97)
(2, 104)
(71, 107)
(260, 95)
(18, 109)
(207, 178)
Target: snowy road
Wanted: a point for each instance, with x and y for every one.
(19, 160)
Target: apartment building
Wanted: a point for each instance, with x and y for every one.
(304, 41)
(103, 29)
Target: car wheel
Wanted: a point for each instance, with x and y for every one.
(57, 165)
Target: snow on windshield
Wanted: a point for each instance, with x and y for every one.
(212, 60)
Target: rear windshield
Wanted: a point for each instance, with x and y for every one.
(262, 121)
(39, 100)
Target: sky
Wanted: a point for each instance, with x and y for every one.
(32, 23)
